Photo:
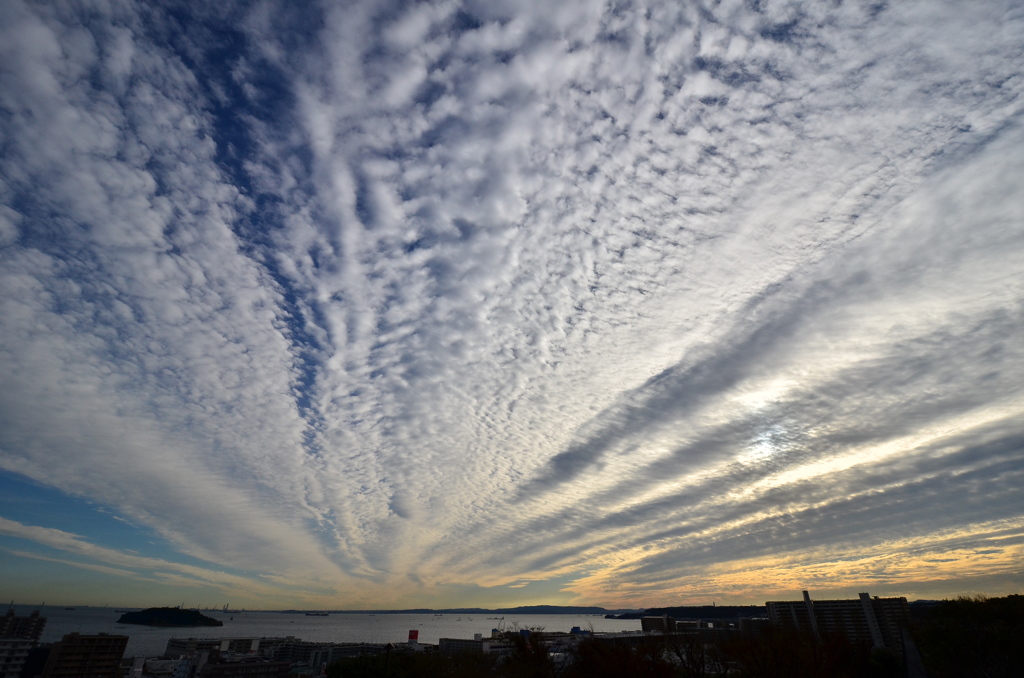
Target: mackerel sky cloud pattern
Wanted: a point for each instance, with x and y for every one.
(376, 304)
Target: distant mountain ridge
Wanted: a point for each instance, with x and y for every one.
(523, 609)
(708, 611)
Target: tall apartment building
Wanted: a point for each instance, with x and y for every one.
(81, 656)
(30, 627)
(13, 653)
(875, 621)
(18, 637)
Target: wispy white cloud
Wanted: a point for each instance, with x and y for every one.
(381, 298)
(117, 572)
(82, 548)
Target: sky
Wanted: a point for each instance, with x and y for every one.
(505, 302)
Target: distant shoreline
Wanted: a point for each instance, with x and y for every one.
(528, 609)
(624, 613)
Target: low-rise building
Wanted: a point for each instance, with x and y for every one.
(657, 624)
(265, 646)
(330, 653)
(477, 645)
(246, 666)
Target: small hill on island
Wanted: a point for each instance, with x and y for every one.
(168, 616)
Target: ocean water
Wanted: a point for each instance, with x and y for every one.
(346, 628)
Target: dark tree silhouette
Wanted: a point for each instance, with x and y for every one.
(597, 658)
(974, 637)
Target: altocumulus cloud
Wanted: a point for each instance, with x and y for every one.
(395, 302)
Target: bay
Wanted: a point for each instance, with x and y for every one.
(342, 628)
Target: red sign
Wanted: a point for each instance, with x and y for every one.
(414, 635)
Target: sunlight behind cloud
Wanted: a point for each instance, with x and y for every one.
(380, 303)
